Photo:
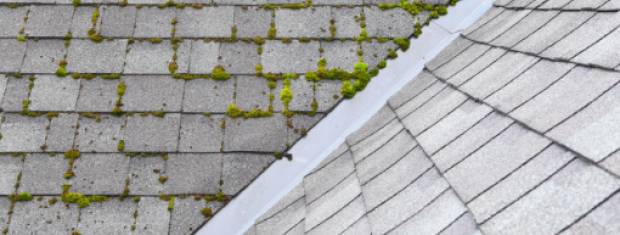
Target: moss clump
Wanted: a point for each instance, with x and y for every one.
(163, 179)
(76, 75)
(311, 76)
(76, 3)
(159, 114)
(22, 197)
(95, 16)
(286, 95)
(392, 54)
(348, 91)
(219, 73)
(89, 76)
(259, 41)
(362, 78)
(234, 112)
(206, 212)
(287, 40)
(51, 115)
(53, 201)
(96, 38)
(374, 72)
(403, 43)
(61, 72)
(136, 199)
(171, 204)
(72, 154)
(121, 88)
(304, 39)
(121, 145)
(361, 65)
(155, 40)
(382, 64)
(257, 114)
(272, 31)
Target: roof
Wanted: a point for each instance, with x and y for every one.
(122, 84)
(511, 129)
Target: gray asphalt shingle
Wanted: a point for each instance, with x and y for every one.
(113, 216)
(438, 215)
(191, 22)
(498, 25)
(300, 57)
(102, 136)
(382, 159)
(22, 133)
(401, 23)
(461, 61)
(97, 95)
(252, 22)
(326, 178)
(309, 22)
(13, 53)
(238, 58)
(151, 93)
(477, 66)
(369, 145)
(375, 51)
(32, 216)
(82, 22)
(331, 202)
(118, 21)
(455, 48)
(602, 53)
(434, 110)
(256, 134)
(42, 174)
(283, 221)
(155, 58)
(152, 134)
(100, 174)
(10, 167)
(420, 99)
(52, 93)
(153, 22)
(204, 57)
(11, 21)
(346, 24)
(301, 124)
(48, 21)
(89, 57)
(144, 173)
(240, 169)
(524, 28)
(193, 174)
(43, 56)
(340, 55)
(201, 133)
(603, 220)
(410, 90)
(61, 133)
(253, 93)
(341, 220)
(208, 95)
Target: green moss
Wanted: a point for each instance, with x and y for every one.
(206, 212)
(348, 91)
(176, 40)
(95, 16)
(434, 15)
(22, 197)
(219, 73)
(257, 114)
(259, 41)
(21, 38)
(171, 204)
(382, 64)
(392, 54)
(286, 95)
(163, 179)
(159, 114)
(51, 115)
(361, 65)
(72, 154)
(287, 40)
(96, 38)
(403, 43)
(121, 88)
(374, 72)
(155, 40)
(65, 187)
(121, 145)
(220, 196)
(89, 76)
(259, 69)
(234, 112)
(272, 31)
(53, 201)
(76, 3)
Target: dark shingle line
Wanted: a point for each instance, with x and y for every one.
(421, 209)
(332, 160)
(439, 120)
(538, 8)
(589, 211)
(422, 104)
(466, 130)
(286, 207)
(380, 128)
(403, 103)
(335, 213)
(403, 189)
(330, 189)
(485, 23)
(392, 165)
(611, 154)
(384, 144)
(473, 61)
(511, 80)
(354, 223)
(294, 226)
(457, 219)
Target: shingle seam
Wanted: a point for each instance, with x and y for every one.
(510, 173)
(352, 224)
(485, 23)
(392, 165)
(458, 54)
(335, 213)
(529, 128)
(418, 212)
(454, 221)
(527, 4)
(589, 211)
(383, 145)
(395, 108)
(380, 128)
(465, 131)
(301, 221)
(511, 80)
(399, 191)
(482, 70)
(327, 163)
(533, 32)
(527, 192)
(442, 118)
(331, 188)
(277, 213)
(608, 156)
(423, 103)
(512, 26)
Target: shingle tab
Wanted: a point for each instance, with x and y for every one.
(340, 55)
(556, 203)
(603, 53)
(554, 4)
(323, 180)
(82, 22)
(461, 61)
(565, 97)
(411, 89)
(483, 20)
(154, 22)
(12, 55)
(301, 124)
(297, 23)
(331, 157)
(153, 216)
(90, 57)
(5, 205)
(256, 134)
(193, 174)
(463, 225)
(240, 169)
(31, 216)
(434, 110)
(102, 136)
(11, 21)
(383, 158)
(283, 221)
(62, 132)
(375, 51)
(208, 95)
(524, 28)
(375, 141)
(528, 84)
(612, 163)
(303, 95)
(97, 95)
(42, 174)
(361, 227)
(498, 25)
(382, 118)
(477, 66)
(191, 22)
(151, 93)
(408, 202)
(43, 56)
(22, 133)
(327, 94)
(239, 57)
(435, 217)
(519, 182)
(152, 134)
(455, 48)
(48, 21)
(52, 93)
(603, 220)
(494, 161)
(300, 57)
(144, 173)
(113, 216)
(341, 220)
(186, 216)
(401, 23)
(331, 202)
(117, 21)
(420, 99)
(253, 93)
(10, 167)
(97, 174)
(287, 200)
(345, 23)
(201, 133)
(155, 58)
(204, 57)
(252, 22)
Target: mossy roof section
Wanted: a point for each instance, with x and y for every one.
(496, 135)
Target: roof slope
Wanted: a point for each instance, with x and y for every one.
(512, 129)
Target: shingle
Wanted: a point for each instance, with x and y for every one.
(499, 25)
(340, 55)
(612, 163)
(434, 110)
(536, 3)
(97, 95)
(42, 174)
(303, 95)
(411, 89)
(5, 205)
(287, 200)
(3, 85)
(82, 22)
(384, 157)
(461, 61)
(339, 2)
(61, 133)
(238, 2)
(192, 22)
(12, 55)
(592, 131)
(299, 229)
(15, 93)
(556, 203)
(11, 21)
(341, 220)
(463, 225)
(186, 216)
(155, 58)
(90, 57)
(521, 3)
(256, 134)
(144, 173)
(452, 126)
(378, 121)
(153, 215)
(583, 37)
(327, 94)
(401, 22)
(253, 93)
(519, 182)
(553, 31)
(611, 5)
(313, 23)
(113, 216)
(283, 221)
(345, 23)
(200, 133)
(31, 216)
(528, 84)
(102, 136)
(420, 99)
(326, 178)
(524, 28)
(148, 2)
(208, 95)
(117, 21)
(483, 20)
(494, 161)
(583, 5)
(603, 220)
(100, 173)
(331, 202)
(52, 93)
(603, 53)
(361, 227)
(152, 134)
(43, 56)
(554, 4)
(240, 169)
(204, 57)
(333, 155)
(300, 57)
(375, 51)
(153, 22)
(397, 177)
(152, 93)
(252, 22)
(301, 124)
(498, 74)
(48, 21)
(565, 97)
(193, 174)
(477, 66)
(10, 167)
(435, 217)
(22, 133)
(375, 141)
(285, 1)
(408, 202)
(502, 2)
(239, 57)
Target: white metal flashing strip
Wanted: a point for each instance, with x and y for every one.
(281, 177)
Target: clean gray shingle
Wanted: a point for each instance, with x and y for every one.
(477, 66)
(154, 22)
(333, 155)
(299, 57)
(192, 22)
(612, 163)
(62, 132)
(151, 93)
(31, 216)
(463, 225)
(12, 55)
(252, 22)
(97, 95)
(401, 22)
(434, 110)
(340, 55)
(22, 133)
(455, 48)
(603, 220)
(384, 157)
(10, 167)
(498, 25)
(48, 21)
(114, 216)
(331, 202)
(267, 134)
(287, 200)
(435, 217)
(383, 117)
(89, 57)
(204, 57)
(611, 5)
(152, 134)
(308, 22)
(367, 146)
(11, 21)
(201, 133)
(483, 20)
(52, 93)
(239, 57)
(345, 23)
(117, 21)
(461, 61)
(341, 220)
(193, 174)
(240, 169)
(326, 178)
(420, 99)
(253, 93)
(144, 173)
(524, 28)
(155, 58)
(583, 5)
(361, 227)
(102, 136)
(43, 56)
(410, 90)
(100, 173)
(603, 53)
(554, 4)
(208, 95)
(283, 221)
